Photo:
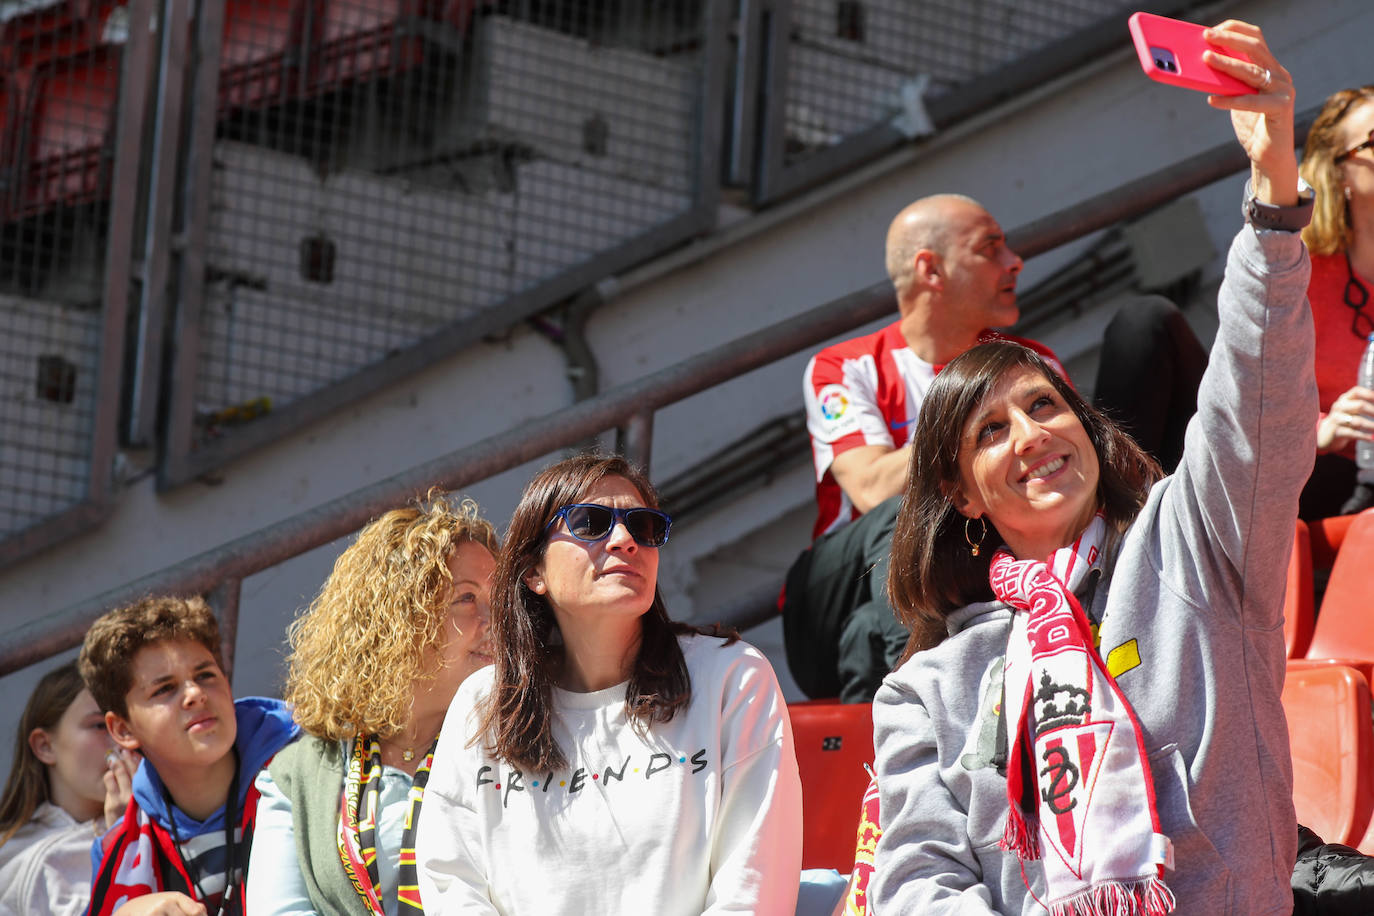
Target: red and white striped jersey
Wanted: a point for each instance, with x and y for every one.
(868, 391)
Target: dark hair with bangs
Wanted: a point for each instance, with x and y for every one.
(932, 571)
(518, 716)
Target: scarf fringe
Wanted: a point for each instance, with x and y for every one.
(1020, 838)
(1146, 897)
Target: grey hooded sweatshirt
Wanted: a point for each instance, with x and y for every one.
(1191, 625)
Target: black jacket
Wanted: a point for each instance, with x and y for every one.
(1331, 879)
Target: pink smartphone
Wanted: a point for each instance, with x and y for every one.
(1170, 51)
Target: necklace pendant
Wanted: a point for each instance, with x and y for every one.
(407, 755)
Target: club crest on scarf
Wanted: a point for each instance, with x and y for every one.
(1078, 780)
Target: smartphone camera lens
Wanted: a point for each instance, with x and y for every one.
(1164, 60)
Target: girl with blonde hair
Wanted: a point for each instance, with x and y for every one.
(398, 626)
(1338, 162)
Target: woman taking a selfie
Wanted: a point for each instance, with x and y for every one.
(1091, 722)
(611, 761)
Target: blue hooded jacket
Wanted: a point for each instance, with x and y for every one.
(265, 727)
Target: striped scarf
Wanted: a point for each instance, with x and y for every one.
(138, 857)
(1078, 781)
(359, 807)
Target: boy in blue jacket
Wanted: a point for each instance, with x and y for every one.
(182, 846)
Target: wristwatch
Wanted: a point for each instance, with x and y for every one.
(1281, 219)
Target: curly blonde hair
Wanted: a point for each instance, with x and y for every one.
(358, 649)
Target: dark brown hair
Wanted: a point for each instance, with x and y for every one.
(1329, 231)
(27, 786)
(932, 572)
(107, 654)
(518, 717)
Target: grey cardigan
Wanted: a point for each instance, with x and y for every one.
(1192, 624)
(310, 773)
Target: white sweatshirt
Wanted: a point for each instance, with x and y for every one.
(50, 869)
(701, 815)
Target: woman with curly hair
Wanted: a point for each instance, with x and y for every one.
(376, 659)
(611, 761)
(1338, 162)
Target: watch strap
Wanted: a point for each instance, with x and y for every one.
(1280, 219)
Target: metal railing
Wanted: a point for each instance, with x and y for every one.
(629, 407)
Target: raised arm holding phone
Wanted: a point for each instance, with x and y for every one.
(1089, 716)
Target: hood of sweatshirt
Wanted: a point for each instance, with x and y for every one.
(265, 726)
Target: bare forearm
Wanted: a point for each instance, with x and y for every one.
(872, 475)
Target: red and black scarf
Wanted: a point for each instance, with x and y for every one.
(139, 856)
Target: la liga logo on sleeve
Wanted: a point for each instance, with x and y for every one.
(834, 401)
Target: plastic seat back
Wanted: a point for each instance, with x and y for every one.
(1327, 535)
(73, 103)
(9, 140)
(262, 41)
(1298, 595)
(1345, 624)
(1332, 743)
(834, 741)
(357, 41)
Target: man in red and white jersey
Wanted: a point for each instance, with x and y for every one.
(955, 282)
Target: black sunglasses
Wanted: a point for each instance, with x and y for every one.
(1367, 144)
(591, 522)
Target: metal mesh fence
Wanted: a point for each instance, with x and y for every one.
(59, 87)
(48, 360)
(386, 168)
(854, 64)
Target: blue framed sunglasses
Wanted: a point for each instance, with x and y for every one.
(590, 522)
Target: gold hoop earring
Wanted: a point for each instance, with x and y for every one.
(975, 546)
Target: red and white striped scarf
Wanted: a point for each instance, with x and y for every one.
(1078, 780)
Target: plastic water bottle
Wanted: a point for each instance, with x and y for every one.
(1364, 451)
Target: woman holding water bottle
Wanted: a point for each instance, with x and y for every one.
(1338, 161)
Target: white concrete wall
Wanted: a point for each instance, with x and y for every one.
(1083, 135)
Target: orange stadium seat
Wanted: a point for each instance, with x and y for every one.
(1345, 626)
(261, 51)
(1327, 535)
(834, 742)
(66, 153)
(1332, 743)
(9, 119)
(55, 30)
(1298, 598)
(365, 39)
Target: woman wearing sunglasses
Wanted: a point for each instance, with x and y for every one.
(612, 760)
(1338, 161)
